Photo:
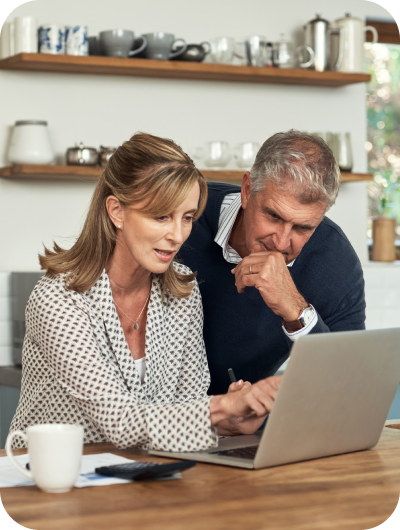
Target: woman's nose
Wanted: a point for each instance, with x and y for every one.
(176, 233)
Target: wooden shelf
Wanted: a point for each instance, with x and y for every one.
(42, 62)
(88, 173)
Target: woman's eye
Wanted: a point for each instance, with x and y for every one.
(163, 218)
(188, 218)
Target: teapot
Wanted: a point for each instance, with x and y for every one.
(316, 36)
(347, 50)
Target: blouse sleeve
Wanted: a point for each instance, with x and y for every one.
(63, 332)
(194, 376)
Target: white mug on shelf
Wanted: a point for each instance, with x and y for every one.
(55, 452)
(5, 41)
(25, 35)
(30, 143)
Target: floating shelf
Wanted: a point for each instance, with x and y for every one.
(42, 62)
(88, 173)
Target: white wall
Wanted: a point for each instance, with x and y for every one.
(107, 110)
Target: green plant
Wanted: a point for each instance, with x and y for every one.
(383, 117)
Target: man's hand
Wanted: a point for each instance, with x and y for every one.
(268, 273)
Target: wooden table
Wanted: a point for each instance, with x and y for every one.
(354, 491)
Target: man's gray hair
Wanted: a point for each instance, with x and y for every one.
(300, 162)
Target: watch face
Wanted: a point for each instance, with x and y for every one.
(307, 316)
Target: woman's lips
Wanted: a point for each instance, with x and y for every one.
(164, 255)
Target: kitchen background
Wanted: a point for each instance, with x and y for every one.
(106, 110)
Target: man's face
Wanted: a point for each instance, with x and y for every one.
(275, 220)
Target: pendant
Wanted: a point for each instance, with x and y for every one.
(135, 325)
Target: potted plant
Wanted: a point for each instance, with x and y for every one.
(385, 204)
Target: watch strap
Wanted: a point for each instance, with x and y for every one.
(298, 324)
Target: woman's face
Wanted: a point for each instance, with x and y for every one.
(152, 243)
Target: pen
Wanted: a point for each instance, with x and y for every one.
(232, 375)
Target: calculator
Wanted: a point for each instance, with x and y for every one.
(143, 470)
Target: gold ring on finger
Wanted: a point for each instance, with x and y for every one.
(250, 270)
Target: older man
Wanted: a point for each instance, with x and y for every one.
(271, 266)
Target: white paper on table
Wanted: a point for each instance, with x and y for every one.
(11, 477)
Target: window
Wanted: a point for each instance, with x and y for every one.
(383, 138)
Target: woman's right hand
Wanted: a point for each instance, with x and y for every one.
(248, 401)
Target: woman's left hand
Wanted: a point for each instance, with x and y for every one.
(245, 425)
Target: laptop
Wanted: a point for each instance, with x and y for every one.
(334, 398)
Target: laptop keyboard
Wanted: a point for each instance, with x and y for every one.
(242, 452)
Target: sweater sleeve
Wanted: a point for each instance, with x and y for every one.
(349, 314)
(64, 334)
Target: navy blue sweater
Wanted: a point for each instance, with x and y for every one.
(240, 330)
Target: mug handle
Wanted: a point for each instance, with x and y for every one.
(374, 33)
(310, 62)
(142, 47)
(205, 45)
(179, 52)
(10, 455)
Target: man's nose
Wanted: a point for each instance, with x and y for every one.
(282, 238)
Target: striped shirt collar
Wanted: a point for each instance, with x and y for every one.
(230, 207)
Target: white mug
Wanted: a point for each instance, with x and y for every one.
(25, 35)
(55, 452)
(30, 143)
(5, 41)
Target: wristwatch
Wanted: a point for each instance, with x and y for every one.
(305, 317)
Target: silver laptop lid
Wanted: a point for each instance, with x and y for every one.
(334, 397)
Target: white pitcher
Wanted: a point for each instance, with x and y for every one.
(348, 54)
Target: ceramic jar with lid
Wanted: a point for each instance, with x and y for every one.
(30, 143)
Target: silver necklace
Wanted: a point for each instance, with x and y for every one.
(135, 322)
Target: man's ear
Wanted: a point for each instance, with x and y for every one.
(115, 211)
(246, 189)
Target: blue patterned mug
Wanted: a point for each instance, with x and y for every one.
(76, 40)
(52, 39)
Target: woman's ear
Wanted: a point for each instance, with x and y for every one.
(115, 211)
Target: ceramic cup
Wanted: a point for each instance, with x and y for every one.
(25, 35)
(119, 43)
(76, 40)
(52, 39)
(7, 40)
(159, 46)
(94, 45)
(55, 452)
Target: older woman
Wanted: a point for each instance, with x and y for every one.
(114, 329)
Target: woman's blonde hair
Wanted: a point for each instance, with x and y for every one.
(145, 168)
